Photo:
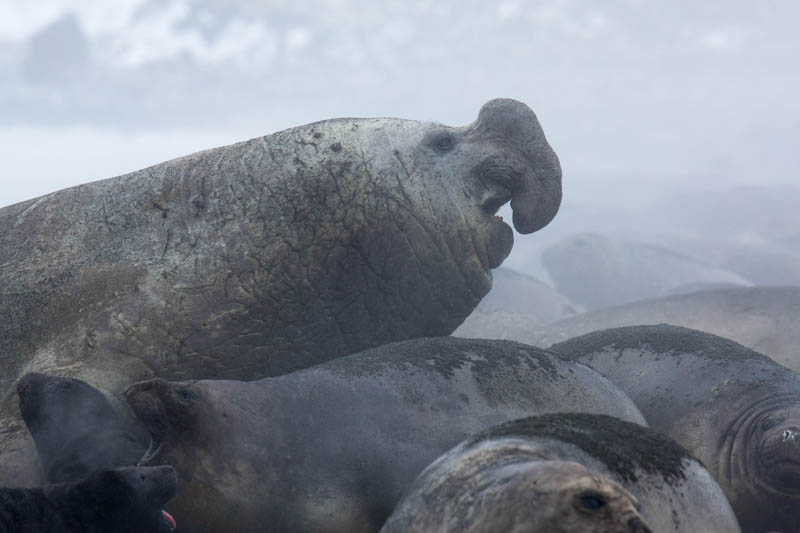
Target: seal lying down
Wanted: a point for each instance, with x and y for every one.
(734, 409)
(333, 447)
(75, 428)
(123, 500)
(564, 473)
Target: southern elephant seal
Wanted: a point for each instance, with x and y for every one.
(123, 500)
(564, 472)
(333, 447)
(761, 318)
(75, 428)
(266, 256)
(734, 409)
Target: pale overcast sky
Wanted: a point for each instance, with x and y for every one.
(640, 95)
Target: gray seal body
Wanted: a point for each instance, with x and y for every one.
(763, 319)
(333, 447)
(269, 255)
(564, 472)
(734, 409)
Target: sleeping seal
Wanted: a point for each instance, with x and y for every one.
(333, 447)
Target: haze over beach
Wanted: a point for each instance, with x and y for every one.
(672, 120)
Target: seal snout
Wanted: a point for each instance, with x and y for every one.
(146, 400)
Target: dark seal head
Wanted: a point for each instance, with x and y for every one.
(482, 492)
(124, 500)
(75, 428)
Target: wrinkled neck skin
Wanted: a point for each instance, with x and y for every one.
(263, 250)
(758, 465)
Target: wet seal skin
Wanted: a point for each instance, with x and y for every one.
(123, 500)
(734, 409)
(333, 447)
(266, 256)
(564, 472)
(75, 428)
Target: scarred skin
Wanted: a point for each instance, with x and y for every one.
(540, 474)
(333, 447)
(266, 256)
(734, 409)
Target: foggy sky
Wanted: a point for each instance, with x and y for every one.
(642, 100)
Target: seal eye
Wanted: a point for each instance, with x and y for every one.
(767, 424)
(185, 395)
(443, 142)
(592, 500)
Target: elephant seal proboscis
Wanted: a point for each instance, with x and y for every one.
(75, 428)
(122, 500)
(564, 472)
(333, 447)
(266, 256)
(734, 409)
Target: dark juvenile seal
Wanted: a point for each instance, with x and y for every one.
(734, 409)
(333, 447)
(124, 500)
(268, 255)
(564, 472)
(75, 428)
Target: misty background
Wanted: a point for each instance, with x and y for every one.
(677, 122)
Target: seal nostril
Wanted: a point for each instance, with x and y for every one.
(789, 435)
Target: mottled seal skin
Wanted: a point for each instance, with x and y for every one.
(269, 255)
(763, 319)
(333, 447)
(75, 428)
(734, 409)
(564, 472)
(478, 491)
(123, 500)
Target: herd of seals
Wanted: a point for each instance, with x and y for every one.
(255, 338)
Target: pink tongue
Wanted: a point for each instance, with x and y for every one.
(169, 519)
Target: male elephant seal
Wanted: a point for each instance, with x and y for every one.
(333, 447)
(269, 255)
(734, 409)
(75, 428)
(564, 472)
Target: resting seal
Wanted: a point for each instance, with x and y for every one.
(268, 255)
(75, 428)
(763, 319)
(333, 447)
(732, 408)
(124, 500)
(524, 473)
